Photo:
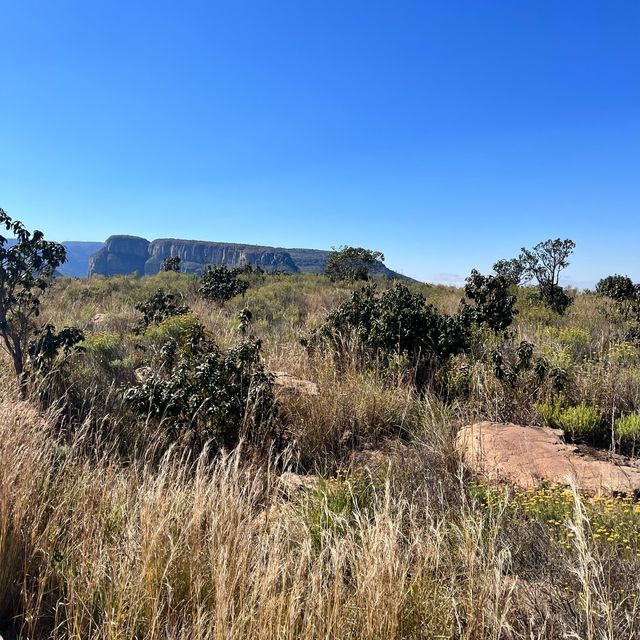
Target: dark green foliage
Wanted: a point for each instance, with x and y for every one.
(623, 292)
(160, 306)
(220, 284)
(546, 260)
(554, 297)
(351, 263)
(245, 317)
(171, 264)
(618, 288)
(26, 271)
(48, 353)
(511, 366)
(203, 394)
(394, 323)
(47, 344)
(494, 304)
(544, 263)
(512, 270)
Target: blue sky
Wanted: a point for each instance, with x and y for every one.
(445, 134)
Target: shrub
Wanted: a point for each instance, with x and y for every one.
(157, 308)
(549, 412)
(393, 323)
(623, 292)
(627, 431)
(583, 422)
(494, 305)
(351, 263)
(48, 353)
(219, 284)
(618, 288)
(171, 264)
(200, 393)
(173, 327)
(555, 298)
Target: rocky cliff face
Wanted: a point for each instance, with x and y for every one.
(129, 254)
(195, 255)
(120, 255)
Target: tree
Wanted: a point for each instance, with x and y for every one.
(219, 284)
(171, 264)
(544, 263)
(512, 270)
(351, 263)
(546, 260)
(494, 305)
(26, 271)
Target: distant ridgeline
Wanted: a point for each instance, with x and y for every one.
(123, 255)
(78, 255)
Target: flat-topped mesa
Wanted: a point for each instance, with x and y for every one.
(195, 255)
(120, 255)
(125, 255)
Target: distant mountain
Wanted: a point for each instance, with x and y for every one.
(78, 254)
(131, 254)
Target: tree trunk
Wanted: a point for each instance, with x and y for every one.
(18, 365)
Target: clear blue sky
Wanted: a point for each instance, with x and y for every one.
(445, 134)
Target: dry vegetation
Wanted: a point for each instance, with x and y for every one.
(111, 529)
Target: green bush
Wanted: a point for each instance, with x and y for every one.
(219, 284)
(396, 322)
(173, 327)
(494, 303)
(627, 430)
(550, 413)
(200, 393)
(583, 422)
(158, 307)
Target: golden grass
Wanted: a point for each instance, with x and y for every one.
(106, 532)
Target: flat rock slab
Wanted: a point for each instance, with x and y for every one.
(526, 456)
(290, 383)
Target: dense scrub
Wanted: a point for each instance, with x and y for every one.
(151, 495)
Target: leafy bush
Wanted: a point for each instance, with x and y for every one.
(582, 422)
(171, 264)
(160, 306)
(494, 304)
(173, 327)
(623, 292)
(201, 393)
(627, 431)
(618, 288)
(48, 352)
(351, 263)
(220, 284)
(549, 412)
(393, 323)
(555, 298)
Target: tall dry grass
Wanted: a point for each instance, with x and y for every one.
(108, 532)
(218, 549)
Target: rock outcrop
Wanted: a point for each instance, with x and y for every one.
(194, 255)
(128, 254)
(527, 456)
(121, 255)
